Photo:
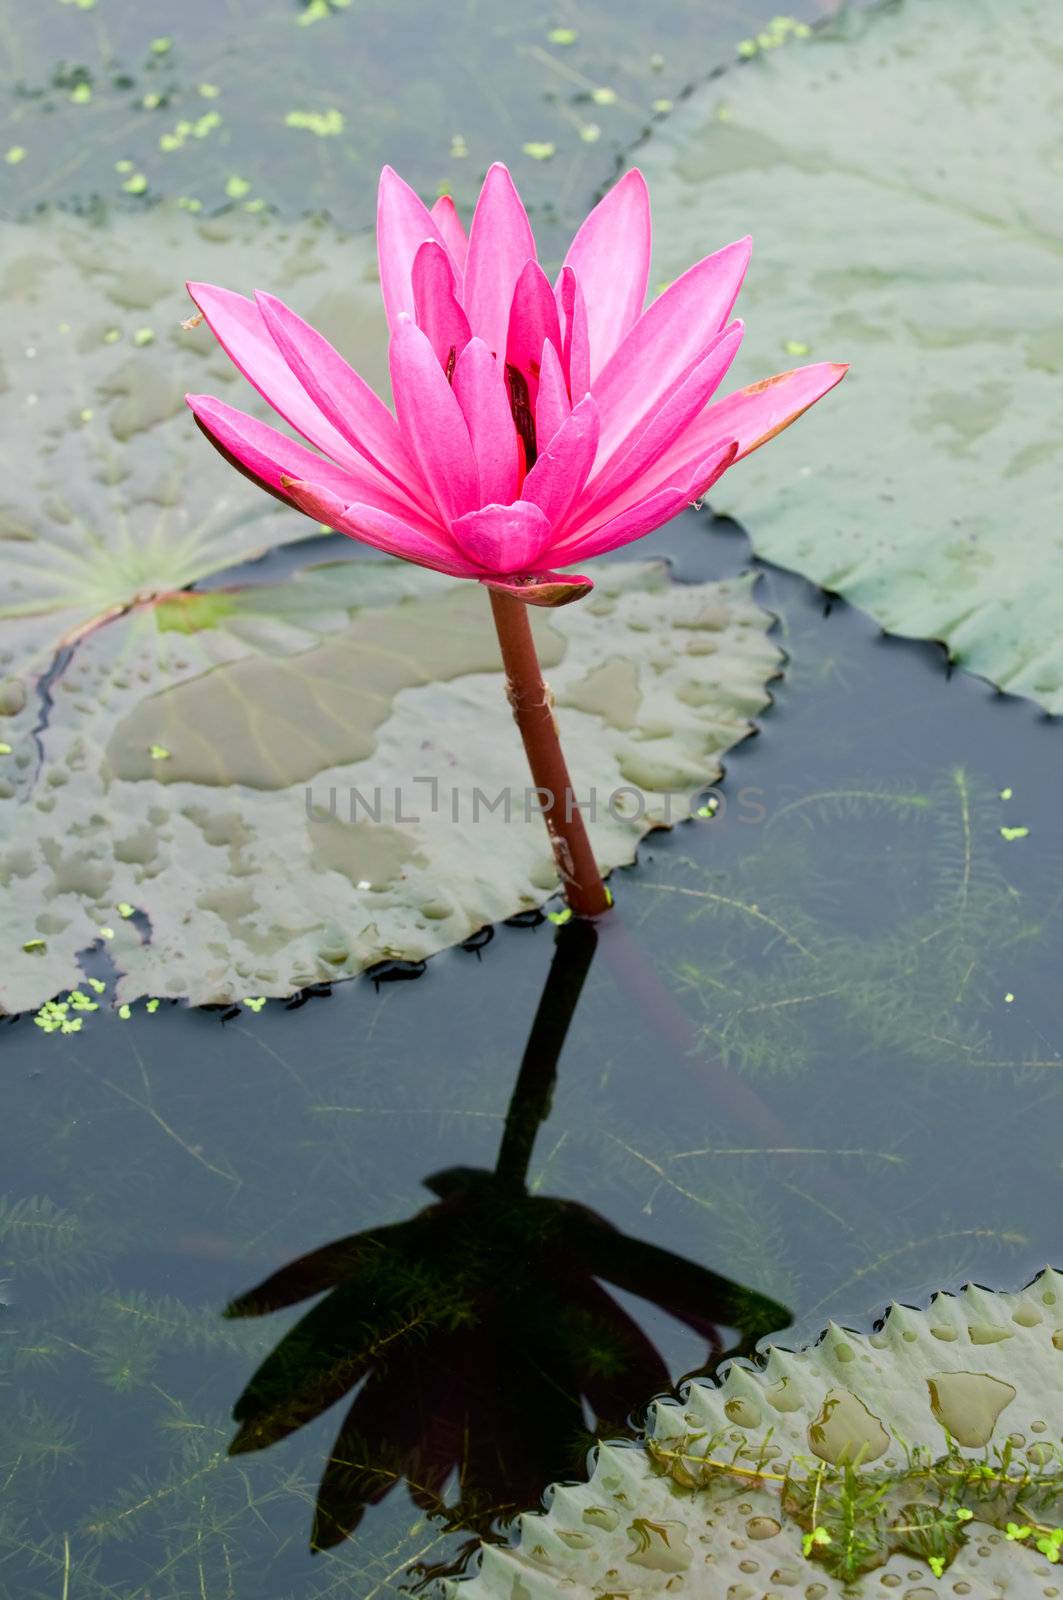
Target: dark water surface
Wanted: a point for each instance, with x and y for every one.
(794, 1064)
(305, 99)
(812, 1062)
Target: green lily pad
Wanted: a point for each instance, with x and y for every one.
(899, 174)
(930, 1447)
(294, 782)
(109, 498)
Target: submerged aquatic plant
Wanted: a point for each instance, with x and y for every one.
(535, 424)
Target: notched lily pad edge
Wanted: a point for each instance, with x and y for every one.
(65, 1012)
(866, 1491)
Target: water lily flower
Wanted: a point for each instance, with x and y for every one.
(535, 424)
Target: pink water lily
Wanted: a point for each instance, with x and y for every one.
(535, 425)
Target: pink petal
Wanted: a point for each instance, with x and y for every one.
(436, 306)
(432, 422)
(752, 416)
(375, 527)
(758, 412)
(445, 216)
(649, 513)
(532, 323)
(500, 242)
(481, 392)
(668, 340)
(544, 588)
(344, 398)
(403, 223)
(268, 456)
(503, 538)
(577, 350)
(552, 403)
(639, 456)
(610, 256)
(239, 327)
(561, 471)
(712, 469)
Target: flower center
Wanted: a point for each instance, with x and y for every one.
(520, 406)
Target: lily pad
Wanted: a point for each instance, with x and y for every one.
(928, 1447)
(291, 783)
(108, 498)
(899, 173)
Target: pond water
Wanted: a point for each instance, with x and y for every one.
(812, 1063)
(816, 1056)
(304, 103)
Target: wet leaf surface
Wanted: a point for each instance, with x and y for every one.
(925, 249)
(291, 784)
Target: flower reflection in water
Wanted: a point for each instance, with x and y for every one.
(479, 1336)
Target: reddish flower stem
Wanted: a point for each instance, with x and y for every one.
(533, 712)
